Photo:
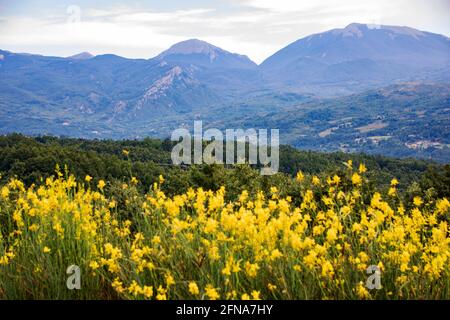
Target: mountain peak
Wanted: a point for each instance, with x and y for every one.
(81, 56)
(193, 46)
(353, 29)
(200, 52)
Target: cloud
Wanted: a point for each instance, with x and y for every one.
(128, 31)
(181, 16)
(256, 28)
(289, 6)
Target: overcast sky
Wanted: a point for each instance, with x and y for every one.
(142, 29)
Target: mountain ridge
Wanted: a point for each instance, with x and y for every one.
(347, 29)
(104, 95)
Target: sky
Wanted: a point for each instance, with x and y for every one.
(142, 29)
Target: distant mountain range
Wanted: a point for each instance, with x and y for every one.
(359, 56)
(108, 96)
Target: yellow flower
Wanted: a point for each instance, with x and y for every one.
(193, 288)
(356, 179)
(134, 288)
(345, 210)
(251, 269)
(336, 179)
(134, 180)
(331, 235)
(362, 291)
(275, 254)
(156, 240)
(161, 293)
(94, 265)
(394, 182)
(147, 291)
(327, 269)
(349, 164)
(211, 292)
(244, 196)
(88, 178)
(417, 201)
(169, 280)
(315, 181)
(5, 192)
(125, 152)
(362, 168)
(271, 287)
(297, 268)
(226, 271)
(4, 260)
(442, 206)
(34, 227)
(210, 226)
(161, 179)
(255, 295)
(300, 176)
(401, 279)
(118, 285)
(245, 297)
(392, 191)
(101, 184)
(47, 250)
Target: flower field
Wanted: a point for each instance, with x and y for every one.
(199, 245)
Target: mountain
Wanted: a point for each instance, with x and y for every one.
(358, 57)
(81, 56)
(307, 90)
(85, 94)
(227, 73)
(201, 53)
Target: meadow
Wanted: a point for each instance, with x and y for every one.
(316, 243)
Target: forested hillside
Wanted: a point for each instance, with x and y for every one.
(33, 159)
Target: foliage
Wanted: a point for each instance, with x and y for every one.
(315, 244)
(34, 159)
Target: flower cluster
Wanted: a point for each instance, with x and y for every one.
(197, 245)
